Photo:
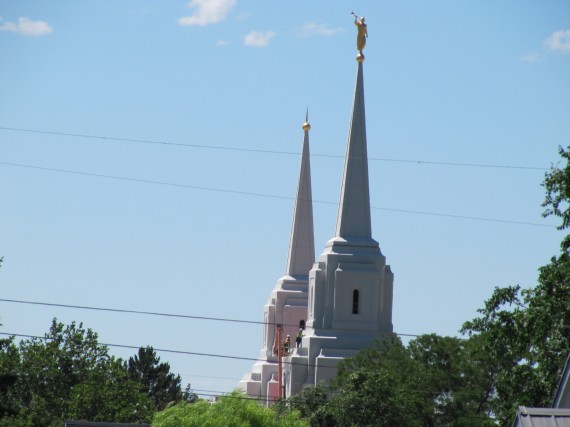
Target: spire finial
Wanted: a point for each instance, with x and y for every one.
(361, 35)
(306, 125)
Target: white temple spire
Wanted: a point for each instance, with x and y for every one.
(288, 302)
(353, 219)
(302, 245)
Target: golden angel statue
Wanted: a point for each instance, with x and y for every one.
(362, 32)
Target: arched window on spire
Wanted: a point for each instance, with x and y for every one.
(355, 295)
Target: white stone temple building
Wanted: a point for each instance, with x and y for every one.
(288, 302)
(344, 300)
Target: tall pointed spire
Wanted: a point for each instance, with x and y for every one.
(302, 244)
(353, 220)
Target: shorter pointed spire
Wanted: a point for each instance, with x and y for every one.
(302, 244)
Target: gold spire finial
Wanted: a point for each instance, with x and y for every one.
(361, 36)
(306, 125)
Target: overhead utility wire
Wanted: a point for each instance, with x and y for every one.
(183, 316)
(166, 350)
(169, 350)
(135, 347)
(416, 391)
(210, 377)
(229, 396)
(272, 196)
(257, 150)
(219, 393)
(402, 392)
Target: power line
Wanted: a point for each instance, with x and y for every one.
(230, 396)
(166, 350)
(243, 396)
(215, 394)
(136, 347)
(272, 196)
(416, 391)
(472, 165)
(147, 181)
(199, 354)
(118, 310)
(191, 353)
(474, 218)
(210, 376)
(256, 150)
(183, 316)
(155, 142)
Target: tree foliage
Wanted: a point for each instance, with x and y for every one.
(232, 410)
(161, 385)
(557, 185)
(313, 404)
(434, 381)
(10, 365)
(526, 331)
(67, 375)
(109, 394)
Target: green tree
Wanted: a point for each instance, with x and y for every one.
(373, 388)
(312, 404)
(10, 364)
(434, 381)
(68, 374)
(454, 379)
(557, 201)
(160, 384)
(232, 410)
(110, 394)
(53, 366)
(525, 331)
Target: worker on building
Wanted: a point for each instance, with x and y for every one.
(287, 345)
(299, 338)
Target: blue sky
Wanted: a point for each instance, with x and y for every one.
(454, 82)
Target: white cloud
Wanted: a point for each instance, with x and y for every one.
(559, 41)
(142, 12)
(222, 42)
(26, 27)
(533, 57)
(243, 16)
(258, 38)
(207, 12)
(312, 29)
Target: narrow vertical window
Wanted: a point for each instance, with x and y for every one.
(355, 301)
(302, 324)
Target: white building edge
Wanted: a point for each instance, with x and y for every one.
(345, 298)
